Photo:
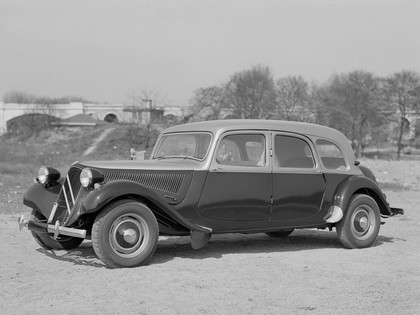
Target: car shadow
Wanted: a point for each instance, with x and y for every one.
(219, 245)
(170, 248)
(84, 255)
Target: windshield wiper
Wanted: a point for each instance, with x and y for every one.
(189, 157)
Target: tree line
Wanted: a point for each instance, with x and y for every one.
(19, 97)
(366, 108)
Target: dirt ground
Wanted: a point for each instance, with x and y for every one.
(307, 273)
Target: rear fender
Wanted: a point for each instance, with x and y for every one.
(360, 185)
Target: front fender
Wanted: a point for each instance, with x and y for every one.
(41, 198)
(97, 199)
(360, 184)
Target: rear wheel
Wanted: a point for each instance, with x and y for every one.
(48, 242)
(280, 234)
(360, 227)
(125, 234)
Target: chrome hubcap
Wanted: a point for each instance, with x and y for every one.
(129, 235)
(363, 222)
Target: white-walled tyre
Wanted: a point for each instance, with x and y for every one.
(125, 234)
(360, 227)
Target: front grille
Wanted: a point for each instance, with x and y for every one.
(169, 183)
(72, 193)
(67, 196)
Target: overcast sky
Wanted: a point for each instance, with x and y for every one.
(103, 50)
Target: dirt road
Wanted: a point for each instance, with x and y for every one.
(307, 273)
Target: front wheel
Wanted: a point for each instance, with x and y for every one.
(360, 227)
(48, 242)
(125, 234)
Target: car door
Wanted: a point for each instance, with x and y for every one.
(298, 183)
(238, 185)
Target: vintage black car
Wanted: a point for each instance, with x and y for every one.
(242, 176)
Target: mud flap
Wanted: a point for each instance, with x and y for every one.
(199, 239)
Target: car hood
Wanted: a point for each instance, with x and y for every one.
(161, 165)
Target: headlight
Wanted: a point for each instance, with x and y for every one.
(48, 175)
(86, 177)
(89, 177)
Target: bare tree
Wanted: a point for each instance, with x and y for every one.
(208, 103)
(291, 97)
(355, 100)
(403, 90)
(250, 93)
(144, 106)
(317, 105)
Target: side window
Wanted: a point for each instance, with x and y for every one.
(331, 156)
(242, 150)
(291, 152)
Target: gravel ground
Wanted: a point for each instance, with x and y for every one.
(307, 273)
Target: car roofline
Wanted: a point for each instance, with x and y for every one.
(221, 126)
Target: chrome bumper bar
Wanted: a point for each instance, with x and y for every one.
(55, 229)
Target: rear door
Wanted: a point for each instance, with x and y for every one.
(298, 183)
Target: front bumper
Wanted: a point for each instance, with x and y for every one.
(55, 230)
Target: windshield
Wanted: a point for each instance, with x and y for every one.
(192, 145)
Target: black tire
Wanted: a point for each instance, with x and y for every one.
(125, 234)
(280, 234)
(360, 227)
(48, 242)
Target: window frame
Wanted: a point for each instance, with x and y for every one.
(161, 139)
(278, 169)
(346, 161)
(217, 167)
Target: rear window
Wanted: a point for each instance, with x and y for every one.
(331, 155)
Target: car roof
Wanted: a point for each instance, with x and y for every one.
(220, 126)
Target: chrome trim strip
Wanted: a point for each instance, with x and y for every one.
(71, 190)
(52, 214)
(65, 197)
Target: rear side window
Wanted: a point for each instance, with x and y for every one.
(331, 155)
(242, 150)
(292, 152)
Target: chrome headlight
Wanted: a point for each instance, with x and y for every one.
(48, 175)
(89, 177)
(86, 177)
